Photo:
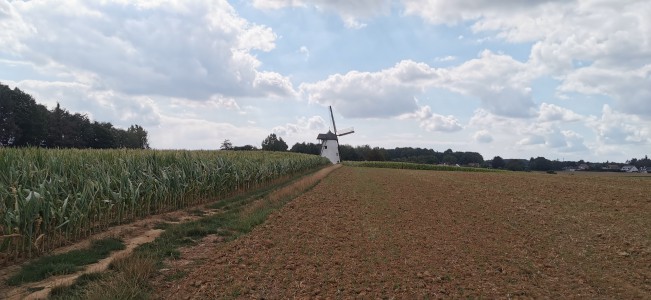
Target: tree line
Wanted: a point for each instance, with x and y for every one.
(24, 123)
(430, 156)
(368, 153)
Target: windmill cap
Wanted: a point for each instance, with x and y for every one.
(327, 136)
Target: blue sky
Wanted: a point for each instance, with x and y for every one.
(561, 79)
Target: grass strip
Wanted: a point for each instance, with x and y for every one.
(65, 263)
(240, 215)
(77, 290)
(414, 166)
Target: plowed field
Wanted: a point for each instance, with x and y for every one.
(382, 233)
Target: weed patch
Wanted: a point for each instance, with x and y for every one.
(65, 263)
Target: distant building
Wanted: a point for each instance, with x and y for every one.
(584, 167)
(629, 169)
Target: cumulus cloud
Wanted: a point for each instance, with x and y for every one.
(551, 112)
(499, 81)
(169, 48)
(12, 27)
(386, 93)
(433, 122)
(351, 12)
(446, 58)
(594, 47)
(617, 128)
(566, 141)
(305, 52)
(215, 101)
(303, 125)
(453, 12)
(100, 105)
(483, 137)
(532, 140)
(631, 88)
(190, 133)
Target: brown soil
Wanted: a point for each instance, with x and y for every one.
(380, 233)
(134, 234)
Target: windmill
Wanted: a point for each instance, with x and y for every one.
(330, 141)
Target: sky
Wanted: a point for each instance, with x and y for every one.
(562, 79)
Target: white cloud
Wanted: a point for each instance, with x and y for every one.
(433, 122)
(302, 126)
(305, 52)
(386, 93)
(453, 12)
(12, 27)
(350, 11)
(446, 58)
(534, 137)
(532, 140)
(100, 105)
(483, 137)
(566, 141)
(188, 133)
(168, 48)
(215, 101)
(499, 81)
(552, 112)
(617, 128)
(594, 47)
(631, 88)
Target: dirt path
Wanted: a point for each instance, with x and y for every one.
(133, 234)
(378, 233)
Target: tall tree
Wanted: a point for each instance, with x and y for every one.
(137, 137)
(274, 143)
(226, 145)
(498, 162)
(23, 122)
(307, 148)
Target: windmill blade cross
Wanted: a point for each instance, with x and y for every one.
(346, 131)
(332, 117)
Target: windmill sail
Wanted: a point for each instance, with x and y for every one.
(330, 141)
(346, 131)
(332, 117)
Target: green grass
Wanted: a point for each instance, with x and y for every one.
(65, 263)
(414, 166)
(77, 290)
(240, 215)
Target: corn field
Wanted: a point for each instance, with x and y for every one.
(49, 198)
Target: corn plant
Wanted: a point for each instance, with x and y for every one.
(51, 197)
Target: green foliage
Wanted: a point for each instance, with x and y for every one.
(274, 143)
(408, 154)
(226, 145)
(498, 162)
(53, 196)
(77, 290)
(241, 214)
(65, 263)
(307, 148)
(245, 148)
(515, 165)
(25, 123)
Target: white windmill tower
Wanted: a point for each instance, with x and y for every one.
(330, 141)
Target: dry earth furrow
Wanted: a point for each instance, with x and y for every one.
(380, 233)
